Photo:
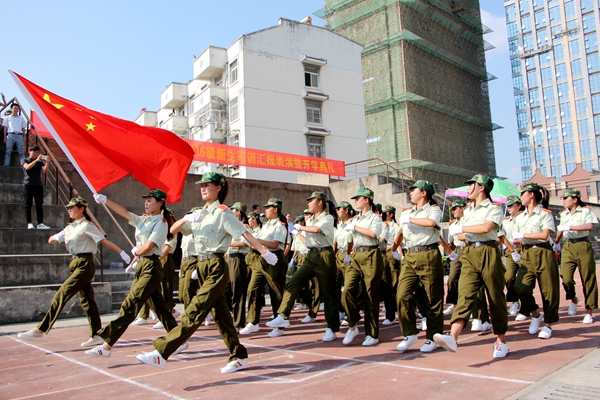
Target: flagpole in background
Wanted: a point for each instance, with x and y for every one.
(64, 148)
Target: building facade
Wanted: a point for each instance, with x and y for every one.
(427, 105)
(293, 88)
(555, 65)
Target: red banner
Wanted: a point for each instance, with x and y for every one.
(39, 126)
(247, 157)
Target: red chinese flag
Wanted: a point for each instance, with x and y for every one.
(105, 149)
(39, 126)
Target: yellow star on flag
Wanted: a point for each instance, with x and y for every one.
(47, 98)
(90, 126)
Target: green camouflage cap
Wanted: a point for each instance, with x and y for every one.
(364, 192)
(510, 200)
(345, 204)
(530, 187)
(572, 193)
(318, 195)
(424, 186)
(458, 203)
(307, 211)
(212, 177)
(77, 201)
(157, 194)
(240, 207)
(482, 180)
(389, 208)
(299, 218)
(254, 215)
(274, 202)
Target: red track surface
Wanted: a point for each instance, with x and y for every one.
(295, 365)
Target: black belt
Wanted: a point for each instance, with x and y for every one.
(272, 251)
(416, 249)
(15, 133)
(577, 240)
(545, 245)
(240, 255)
(81, 255)
(482, 243)
(190, 258)
(366, 248)
(320, 249)
(150, 257)
(209, 256)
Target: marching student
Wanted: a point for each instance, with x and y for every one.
(81, 238)
(188, 274)
(576, 223)
(213, 228)
(342, 247)
(512, 257)
(391, 266)
(457, 245)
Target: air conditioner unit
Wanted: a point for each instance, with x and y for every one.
(219, 126)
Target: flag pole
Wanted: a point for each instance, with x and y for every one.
(64, 148)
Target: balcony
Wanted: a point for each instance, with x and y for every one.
(210, 63)
(177, 124)
(212, 131)
(174, 95)
(147, 118)
(206, 95)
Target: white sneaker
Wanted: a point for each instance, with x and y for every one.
(30, 335)
(139, 321)
(300, 307)
(42, 226)
(572, 309)
(344, 323)
(176, 313)
(407, 342)
(153, 358)
(322, 307)
(486, 327)
(534, 325)
(276, 332)
(350, 335)
(30, 226)
(388, 322)
(342, 315)
(423, 325)
(449, 310)
(235, 365)
(428, 347)
(545, 333)
(521, 317)
(476, 325)
(329, 335)
(446, 341)
(306, 320)
(181, 348)
(209, 318)
(500, 350)
(94, 341)
(249, 328)
(279, 322)
(98, 351)
(513, 309)
(589, 319)
(370, 341)
(153, 315)
(158, 325)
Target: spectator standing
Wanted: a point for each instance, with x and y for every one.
(33, 188)
(14, 130)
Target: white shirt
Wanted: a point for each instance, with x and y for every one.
(14, 124)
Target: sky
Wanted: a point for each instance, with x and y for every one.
(117, 57)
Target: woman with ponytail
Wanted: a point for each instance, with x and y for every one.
(538, 262)
(151, 233)
(81, 237)
(319, 263)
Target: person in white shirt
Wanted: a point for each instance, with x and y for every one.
(14, 130)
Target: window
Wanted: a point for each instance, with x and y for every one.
(513, 47)
(561, 71)
(527, 42)
(559, 52)
(550, 114)
(538, 5)
(518, 83)
(546, 75)
(520, 102)
(542, 37)
(552, 134)
(597, 125)
(586, 5)
(512, 29)
(313, 112)
(540, 19)
(524, 140)
(593, 63)
(567, 130)
(526, 158)
(536, 117)
(589, 23)
(572, 28)
(511, 12)
(515, 65)
(233, 73)
(569, 9)
(540, 155)
(598, 144)
(569, 151)
(233, 109)
(522, 120)
(524, 6)
(554, 153)
(596, 103)
(574, 48)
(581, 107)
(315, 146)
(579, 87)
(565, 111)
(534, 98)
(526, 24)
(591, 42)
(554, 13)
(311, 76)
(585, 146)
(545, 58)
(556, 171)
(548, 94)
(526, 174)
(538, 136)
(532, 80)
(563, 91)
(588, 165)
(530, 62)
(583, 127)
(595, 83)
(544, 171)
(571, 167)
(576, 68)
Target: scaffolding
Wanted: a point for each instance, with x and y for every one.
(425, 84)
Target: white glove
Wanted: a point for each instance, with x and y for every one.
(133, 251)
(350, 227)
(297, 227)
(131, 268)
(347, 259)
(563, 228)
(100, 198)
(295, 232)
(556, 247)
(195, 275)
(291, 263)
(396, 255)
(453, 256)
(405, 219)
(455, 230)
(196, 216)
(517, 236)
(59, 237)
(270, 258)
(125, 257)
(516, 257)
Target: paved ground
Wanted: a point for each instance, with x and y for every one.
(300, 365)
